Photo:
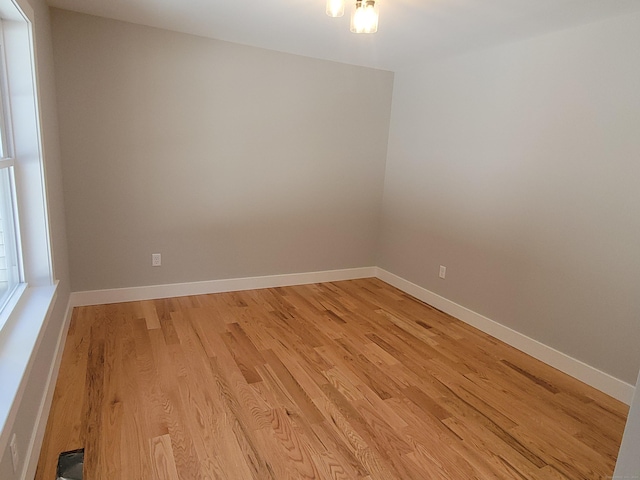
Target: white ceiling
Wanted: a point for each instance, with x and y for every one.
(409, 29)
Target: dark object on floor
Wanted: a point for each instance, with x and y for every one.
(70, 465)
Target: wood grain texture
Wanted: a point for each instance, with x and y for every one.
(344, 380)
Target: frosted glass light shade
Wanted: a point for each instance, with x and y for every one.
(364, 18)
(335, 8)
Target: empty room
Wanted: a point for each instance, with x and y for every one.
(319, 239)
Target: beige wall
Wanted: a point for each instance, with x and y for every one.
(517, 168)
(230, 161)
(24, 424)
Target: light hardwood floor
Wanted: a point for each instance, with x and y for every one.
(345, 380)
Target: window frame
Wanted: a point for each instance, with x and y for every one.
(12, 244)
(24, 131)
(26, 316)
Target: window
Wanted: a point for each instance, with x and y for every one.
(10, 265)
(25, 258)
(27, 285)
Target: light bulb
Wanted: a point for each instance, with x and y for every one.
(370, 17)
(364, 18)
(335, 8)
(356, 17)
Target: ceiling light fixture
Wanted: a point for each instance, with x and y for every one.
(364, 17)
(335, 8)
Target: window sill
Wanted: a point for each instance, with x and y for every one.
(19, 340)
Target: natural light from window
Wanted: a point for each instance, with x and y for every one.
(10, 275)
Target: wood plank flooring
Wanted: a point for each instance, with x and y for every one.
(345, 380)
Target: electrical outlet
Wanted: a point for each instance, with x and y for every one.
(443, 271)
(15, 458)
(156, 259)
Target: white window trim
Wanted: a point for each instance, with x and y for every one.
(27, 146)
(30, 307)
(18, 341)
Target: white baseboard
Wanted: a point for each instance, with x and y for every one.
(35, 444)
(563, 362)
(118, 295)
